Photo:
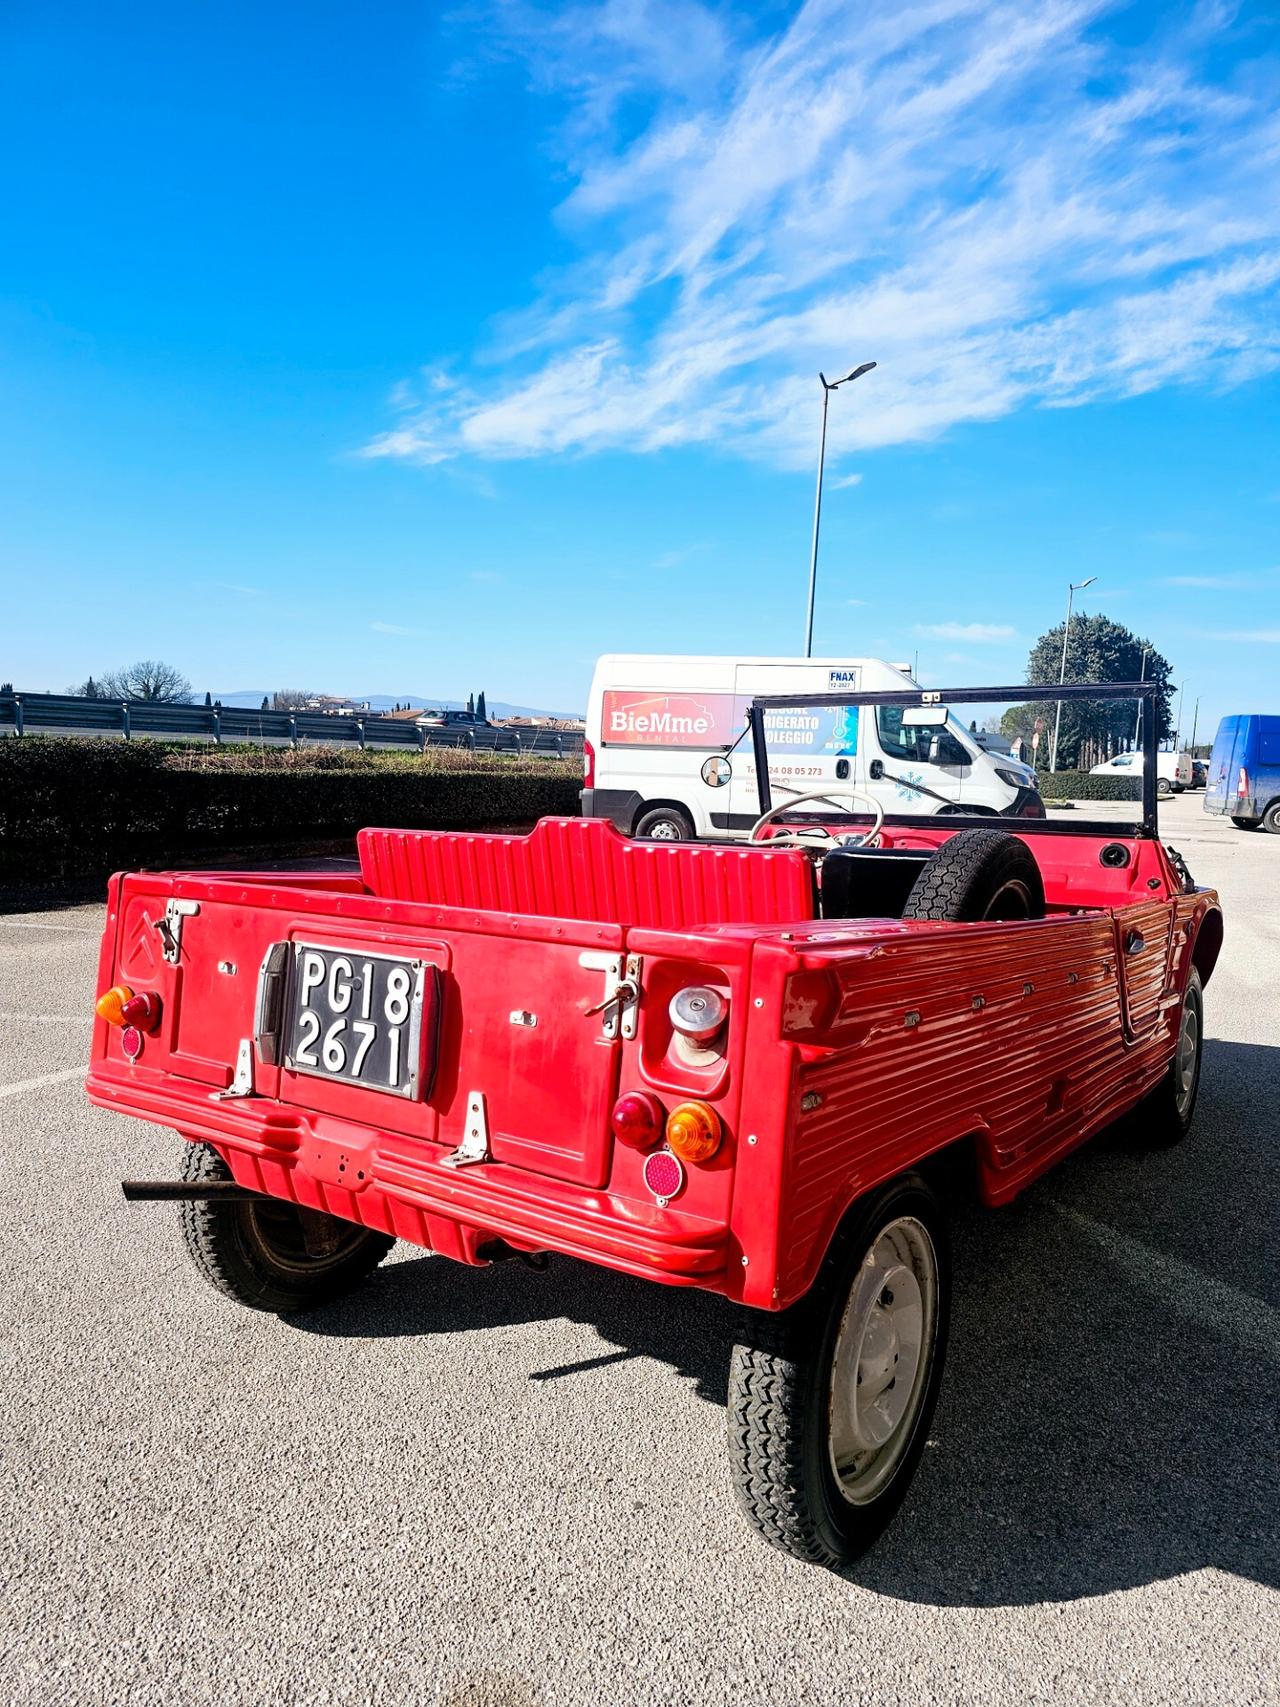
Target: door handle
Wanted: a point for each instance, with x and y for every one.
(1135, 942)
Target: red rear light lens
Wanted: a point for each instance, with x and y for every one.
(663, 1174)
(141, 1011)
(637, 1120)
(588, 765)
(1242, 787)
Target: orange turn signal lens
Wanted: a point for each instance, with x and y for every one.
(693, 1132)
(110, 1005)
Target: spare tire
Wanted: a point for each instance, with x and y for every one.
(978, 874)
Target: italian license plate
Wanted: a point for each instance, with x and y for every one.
(358, 1018)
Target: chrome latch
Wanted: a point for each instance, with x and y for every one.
(620, 1004)
(170, 927)
(475, 1138)
(242, 1080)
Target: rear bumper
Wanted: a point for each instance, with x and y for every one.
(621, 806)
(405, 1190)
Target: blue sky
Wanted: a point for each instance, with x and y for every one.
(401, 349)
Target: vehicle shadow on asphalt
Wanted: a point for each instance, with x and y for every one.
(1109, 1413)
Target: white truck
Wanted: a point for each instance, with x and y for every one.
(665, 754)
(1173, 770)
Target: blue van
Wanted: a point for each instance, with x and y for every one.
(1244, 772)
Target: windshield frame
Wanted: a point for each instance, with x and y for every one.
(1145, 692)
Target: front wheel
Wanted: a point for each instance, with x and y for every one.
(830, 1401)
(272, 1255)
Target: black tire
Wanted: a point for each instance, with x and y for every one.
(1163, 786)
(1164, 1115)
(664, 824)
(272, 1255)
(978, 874)
(781, 1409)
(1247, 823)
(1271, 818)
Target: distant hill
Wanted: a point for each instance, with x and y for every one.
(252, 697)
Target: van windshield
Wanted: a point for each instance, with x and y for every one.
(913, 744)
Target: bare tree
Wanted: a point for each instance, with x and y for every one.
(293, 699)
(88, 689)
(149, 679)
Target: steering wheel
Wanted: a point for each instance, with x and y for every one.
(803, 838)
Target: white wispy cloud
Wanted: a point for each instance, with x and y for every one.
(999, 204)
(984, 632)
(846, 480)
(1262, 636)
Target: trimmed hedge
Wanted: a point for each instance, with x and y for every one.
(71, 807)
(1079, 785)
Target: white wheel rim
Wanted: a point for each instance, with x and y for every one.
(664, 831)
(1188, 1052)
(883, 1354)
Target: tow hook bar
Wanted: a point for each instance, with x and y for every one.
(186, 1191)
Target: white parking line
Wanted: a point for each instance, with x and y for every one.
(1213, 1303)
(35, 925)
(44, 1079)
(48, 1019)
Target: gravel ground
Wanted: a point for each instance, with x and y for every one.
(504, 1489)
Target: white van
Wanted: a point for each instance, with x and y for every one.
(654, 722)
(1173, 770)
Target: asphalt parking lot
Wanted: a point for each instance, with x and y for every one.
(498, 1488)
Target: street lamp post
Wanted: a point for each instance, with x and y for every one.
(1073, 588)
(1195, 719)
(828, 386)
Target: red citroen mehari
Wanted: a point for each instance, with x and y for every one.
(748, 1068)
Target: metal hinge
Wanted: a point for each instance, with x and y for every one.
(170, 927)
(621, 1002)
(475, 1138)
(242, 1080)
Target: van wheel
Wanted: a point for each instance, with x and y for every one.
(830, 1401)
(272, 1255)
(664, 824)
(1271, 818)
(1247, 823)
(1164, 1115)
(1163, 786)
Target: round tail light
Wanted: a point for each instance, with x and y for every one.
(131, 1042)
(693, 1132)
(142, 1011)
(110, 1004)
(637, 1120)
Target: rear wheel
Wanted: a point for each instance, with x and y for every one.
(830, 1401)
(1163, 786)
(1247, 823)
(272, 1255)
(1164, 1115)
(1271, 818)
(665, 824)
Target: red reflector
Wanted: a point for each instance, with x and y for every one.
(131, 1042)
(663, 1174)
(588, 765)
(637, 1120)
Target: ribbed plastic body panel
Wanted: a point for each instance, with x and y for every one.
(582, 868)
